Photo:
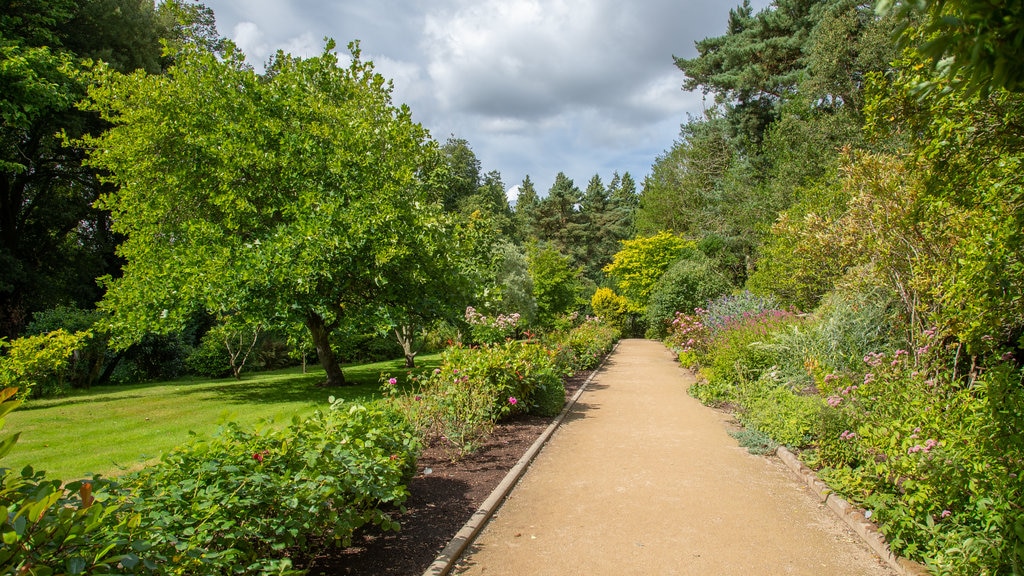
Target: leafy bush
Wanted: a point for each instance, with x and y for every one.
(89, 360)
(785, 415)
(582, 347)
(239, 500)
(739, 352)
(235, 503)
(476, 387)
(491, 330)
(50, 528)
(610, 307)
(688, 284)
(39, 365)
(209, 358)
(935, 455)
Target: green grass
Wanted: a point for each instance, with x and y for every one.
(113, 429)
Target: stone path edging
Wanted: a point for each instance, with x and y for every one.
(852, 516)
(443, 564)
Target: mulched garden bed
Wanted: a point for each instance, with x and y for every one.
(439, 503)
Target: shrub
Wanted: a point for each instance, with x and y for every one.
(90, 358)
(237, 501)
(739, 353)
(785, 415)
(209, 358)
(582, 347)
(688, 284)
(935, 454)
(476, 387)
(39, 365)
(491, 330)
(610, 307)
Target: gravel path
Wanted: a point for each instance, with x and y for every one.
(643, 479)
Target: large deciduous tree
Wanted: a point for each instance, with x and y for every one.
(294, 196)
(53, 241)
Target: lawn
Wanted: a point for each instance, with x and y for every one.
(113, 429)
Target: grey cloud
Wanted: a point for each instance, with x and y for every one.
(535, 86)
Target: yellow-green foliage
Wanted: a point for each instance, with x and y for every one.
(609, 306)
(37, 365)
(640, 264)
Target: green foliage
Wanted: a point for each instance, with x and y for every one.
(934, 455)
(242, 497)
(769, 404)
(638, 266)
(609, 307)
(39, 365)
(233, 502)
(688, 284)
(210, 357)
(584, 346)
(50, 528)
(755, 441)
(474, 388)
(977, 45)
(556, 283)
(309, 151)
(804, 254)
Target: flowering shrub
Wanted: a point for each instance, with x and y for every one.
(726, 311)
(230, 504)
(582, 347)
(490, 330)
(936, 457)
(476, 387)
(239, 499)
(930, 441)
(736, 349)
(688, 337)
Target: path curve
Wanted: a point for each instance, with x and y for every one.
(642, 479)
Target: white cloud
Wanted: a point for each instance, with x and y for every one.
(251, 41)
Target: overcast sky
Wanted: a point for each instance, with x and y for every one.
(535, 86)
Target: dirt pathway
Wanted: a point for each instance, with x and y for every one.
(642, 479)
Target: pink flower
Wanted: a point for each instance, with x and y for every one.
(834, 401)
(512, 400)
(946, 514)
(393, 381)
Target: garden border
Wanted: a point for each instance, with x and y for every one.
(853, 517)
(443, 564)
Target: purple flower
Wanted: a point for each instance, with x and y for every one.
(1008, 356)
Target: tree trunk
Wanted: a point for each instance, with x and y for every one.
(405, 335)
(321, 339)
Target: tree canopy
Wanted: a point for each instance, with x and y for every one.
(298, 196)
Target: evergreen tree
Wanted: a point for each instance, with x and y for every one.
(558, 218)
(527, 204)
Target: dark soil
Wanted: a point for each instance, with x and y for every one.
(439, 503)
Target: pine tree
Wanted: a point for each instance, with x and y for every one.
(527, 204)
